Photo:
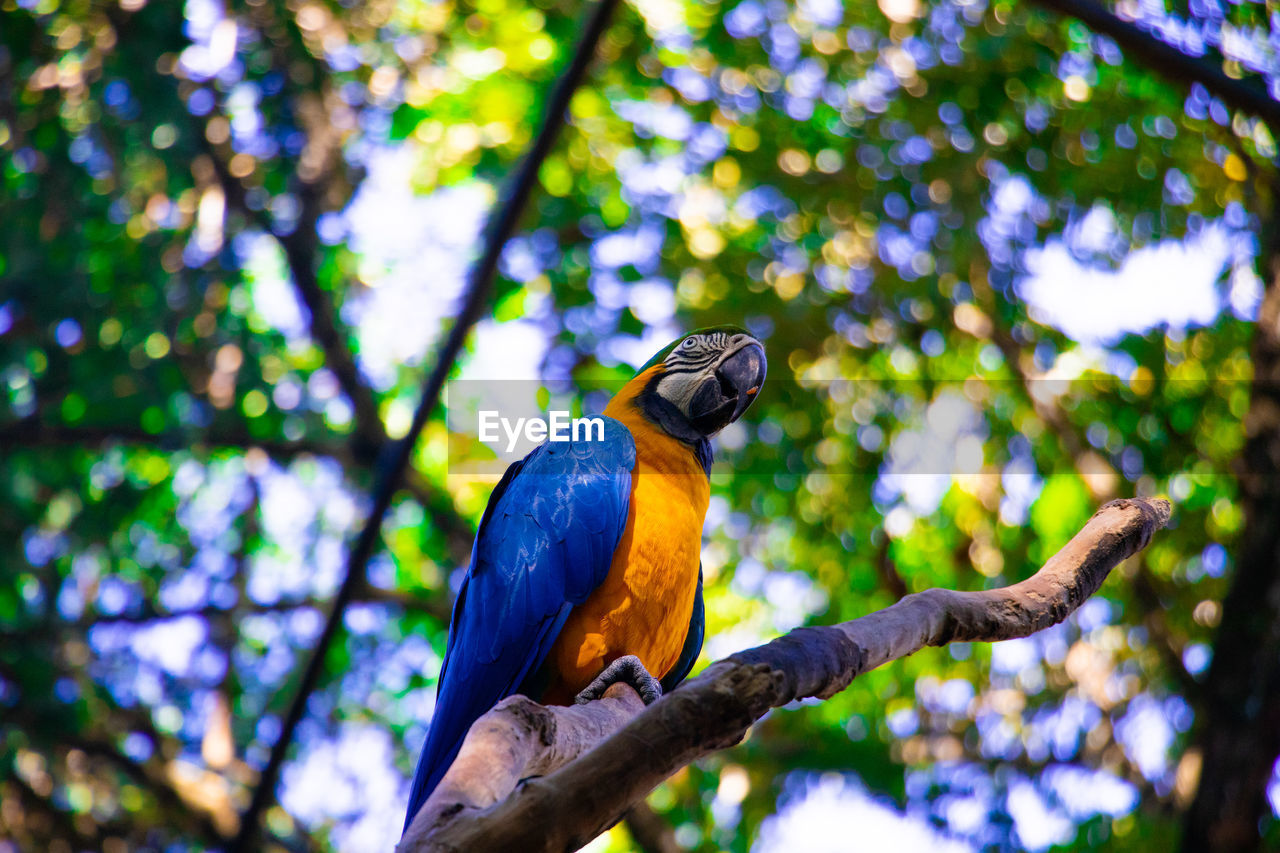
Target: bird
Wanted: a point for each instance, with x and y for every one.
(586, 568)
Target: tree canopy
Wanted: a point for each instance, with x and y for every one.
(1006, 264)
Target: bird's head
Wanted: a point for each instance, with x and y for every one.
(702, 382)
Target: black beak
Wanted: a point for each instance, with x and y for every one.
(722, 400)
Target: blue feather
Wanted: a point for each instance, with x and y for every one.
(692, 641)
(546, 541)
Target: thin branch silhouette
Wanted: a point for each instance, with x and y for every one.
(1247, 95)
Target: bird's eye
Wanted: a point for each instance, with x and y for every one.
(687, 344)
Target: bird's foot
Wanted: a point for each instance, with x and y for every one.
(628, 670)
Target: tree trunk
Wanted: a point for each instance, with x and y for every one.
(1238, 734)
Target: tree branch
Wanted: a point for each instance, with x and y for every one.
(397, 459)
(1238, 718)
(1166, 59)
(650, 830)
(478, 805)
(437, 607)
(312, 177)
(99, 740)
(457, 531)
(299, 250)
(1168, 647)
(1077, 449)
(31, 432)
(33, 800)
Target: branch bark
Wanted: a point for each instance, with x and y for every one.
(479, 804)
(1167, 60)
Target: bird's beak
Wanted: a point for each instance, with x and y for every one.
(737, 380)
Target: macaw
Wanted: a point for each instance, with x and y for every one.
(586, 567)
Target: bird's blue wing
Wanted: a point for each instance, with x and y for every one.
(546, 541)
(692, 641)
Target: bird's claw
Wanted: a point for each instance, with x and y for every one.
(628, 670)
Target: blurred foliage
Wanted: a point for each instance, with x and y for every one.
(184, 444)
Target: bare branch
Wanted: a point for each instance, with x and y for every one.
(191, 818)
(1167, 646)
(1164, 58)
(457, 531)
(520, 738)
(438, 607)
(31, 800)
(1077, 449)
(299, 250)
(474, 807)
(890, 578)
(30, 432)
(314, 174)
(650, 831)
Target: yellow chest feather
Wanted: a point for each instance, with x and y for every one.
(644, 606)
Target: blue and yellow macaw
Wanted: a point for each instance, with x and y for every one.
(585, 570)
